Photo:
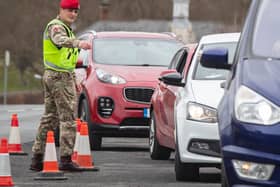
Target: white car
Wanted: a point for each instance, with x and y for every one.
(196, 129)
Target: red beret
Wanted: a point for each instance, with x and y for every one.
(73, 4)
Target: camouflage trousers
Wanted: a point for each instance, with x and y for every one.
(59, 98)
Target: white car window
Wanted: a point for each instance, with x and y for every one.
(203, 73)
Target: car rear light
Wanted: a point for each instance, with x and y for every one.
(105, 106)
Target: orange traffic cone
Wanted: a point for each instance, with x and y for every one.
(84, 159)
(5, 168)
(14, 145)
(75, 150)
(50, 167)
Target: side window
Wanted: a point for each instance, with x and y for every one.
(84, 56)
(84, 53)
(84, 37)
(176, 59)
(181, 63)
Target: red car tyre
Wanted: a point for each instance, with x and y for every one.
(157, 152)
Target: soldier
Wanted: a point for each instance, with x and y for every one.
(60, 49)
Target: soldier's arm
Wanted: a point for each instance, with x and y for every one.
(60, 38)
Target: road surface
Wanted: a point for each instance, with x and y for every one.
(123, 162)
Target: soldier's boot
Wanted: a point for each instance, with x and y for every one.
(66, 164)
(37, 162)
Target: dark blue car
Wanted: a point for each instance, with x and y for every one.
(249, 112)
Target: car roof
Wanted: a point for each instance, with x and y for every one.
(220, 38)
(130, 34)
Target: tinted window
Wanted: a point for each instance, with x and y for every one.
(83, 55)
(175, 59)
(134, 51)
(181, 64)
(266, 41)
(204, 73)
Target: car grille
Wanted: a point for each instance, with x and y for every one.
(139, 95)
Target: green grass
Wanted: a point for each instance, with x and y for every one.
(16, 82)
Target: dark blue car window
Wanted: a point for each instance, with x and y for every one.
(266, 41)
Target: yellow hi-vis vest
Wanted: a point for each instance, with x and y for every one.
(59, 58)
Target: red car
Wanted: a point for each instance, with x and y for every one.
(118, 76)
(161, 136)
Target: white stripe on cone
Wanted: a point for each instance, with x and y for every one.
(14, 137)
(84, 146)
(50, 152)
(5, 168)
(77, 142)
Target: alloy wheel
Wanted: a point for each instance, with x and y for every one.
(152, 135)
(82, 112)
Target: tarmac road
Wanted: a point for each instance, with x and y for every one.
(123, 162)
(28, 117)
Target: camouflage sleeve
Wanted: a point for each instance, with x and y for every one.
(59, 37)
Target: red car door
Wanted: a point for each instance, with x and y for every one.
(166, 99)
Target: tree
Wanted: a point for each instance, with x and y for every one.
(23, 21)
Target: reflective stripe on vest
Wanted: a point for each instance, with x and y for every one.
(55, 58)
(50, 65)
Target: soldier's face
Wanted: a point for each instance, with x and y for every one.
(68, 15)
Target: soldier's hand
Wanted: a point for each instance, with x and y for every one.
(84, 45)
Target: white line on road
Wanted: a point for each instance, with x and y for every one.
(37, 109)
(23, 110)
(16, 110)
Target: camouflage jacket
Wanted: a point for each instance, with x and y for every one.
(59, 36)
